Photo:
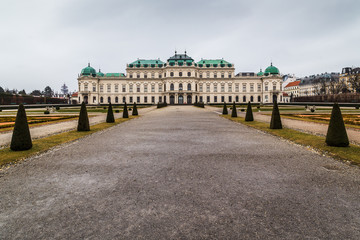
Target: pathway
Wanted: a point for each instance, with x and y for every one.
(180, 173)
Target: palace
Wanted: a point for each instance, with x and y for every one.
(180, 80)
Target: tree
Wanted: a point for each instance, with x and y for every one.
(225, 111)
(83, 123)
(1, 90)
(36, 93)
(135, 111)
(336, 135)
(48, 92)
(110, 114)
(21, 138)
(234, 112)
(22, 92)
(275, 122)
(354, 82)
(249, 114)
(125, 111)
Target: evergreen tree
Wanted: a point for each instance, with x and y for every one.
(225, 111)
(249, 114)
(21, 139)
(125, 112)
(83, 123)
(336, 135)
(135, 111)
(275, 117)
(110, 114)
(234, 112)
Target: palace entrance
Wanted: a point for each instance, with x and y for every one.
(181, 99)
(188, 99)
(172, 99)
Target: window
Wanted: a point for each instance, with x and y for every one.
(266, 88)
(131, 88)
(266, 98)
(189, 87)
(251, 87)
(222, 88)
(230, 87)
(109, 99)
(145, 99)
(201, 99)
(130, 75)
(274, 86)
(152, 99)
(138, 75)
(145, 75)
(230, 99)
(94, 99)
(108, 88)
(208, 99)
(160, 88)
(153, 88)
(160, 76)
(237, 99)
(222, 75)
(215, 87)
(131, 99)
(215, 98)
(244, 98)
(138, 88)
(145, 88)
(207, 74)
(200, 75)
(200, 88)
(116, 99)
(259, 87)
(215, 75)
(138, 99)
(222, 99)
(101, 88)
(160, 99)
(236, 87)
(180, 74)
(116, 88)
(124, 88)
(94, 88)
(189, 74)
(172, 87)
(229, 75)
(244, 87)
(101, 99)
(180, 86)
(85, 87)
(153, 75)
(251, 99)
(207, 87)
(124, 99)
(171, 74)
(259, 99)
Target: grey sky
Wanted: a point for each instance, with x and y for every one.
(48, 42)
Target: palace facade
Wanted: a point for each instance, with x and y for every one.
(180, 80)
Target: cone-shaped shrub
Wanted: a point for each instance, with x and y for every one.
(83, 124)
(110, 114)
(225, 111)
(135, 112)
(275, 117)
(249, 114)
(125, 112)
(234, 112)
(336, 135)
(21, 139)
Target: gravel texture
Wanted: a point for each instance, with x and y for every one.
(180, 173)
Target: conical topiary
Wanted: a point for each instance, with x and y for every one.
(275, 117)
(336, 135)
(234, 112)
(249, 114)
(134, 111)
(225, 111)
(83, 124)
(21, 139)
(110, 114)
(125, 112)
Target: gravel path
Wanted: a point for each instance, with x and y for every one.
(55, 128)
(180, 173)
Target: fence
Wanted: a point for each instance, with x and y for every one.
(341, 98)
(17, 99)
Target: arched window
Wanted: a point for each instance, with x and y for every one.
(124, 99)
(116, 99)
(251, 99)
(171, 74)
(244, 98)
(259, 99)
(180, 74)
(172, 87)
(237, 99)
(189, 74)
(189, 86)
(180, 86)
(109, 99)
(101, 99)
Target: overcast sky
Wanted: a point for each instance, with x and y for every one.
(48, 42)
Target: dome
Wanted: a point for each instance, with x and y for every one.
(100, 74)
(272, 70)
(261, 73)
(88, 71)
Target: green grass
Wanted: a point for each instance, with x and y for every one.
(351, 154)
(8, 156)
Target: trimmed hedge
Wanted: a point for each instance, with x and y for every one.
(161, 105)
(21, 138)
(83, 124)
(110, 114)
(199, 104)
(336, 135)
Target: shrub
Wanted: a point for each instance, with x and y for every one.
(275, 118)
(306, 107)
(234, 112)
(21, 138)
(110, 115)
(83, 123)
(336, 135)
(312, 110)
(46, 112)
(0, 110)
(57, 108)
(356, 107)
(135, 111)
(199, 104)
(117, 110)
(225, 111)
(125, 112)
(161, 105)
(104, 107)
(249, 114)
(258, 107)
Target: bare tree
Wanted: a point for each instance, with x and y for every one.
(354, 82)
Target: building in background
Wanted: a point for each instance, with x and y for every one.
(180, 80)
(292, 90)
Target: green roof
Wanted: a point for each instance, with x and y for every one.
(260, 73)
(88, 71)
(213, 61)
(114, 75)
(100, 74)
(272, 70)
(143, 61)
